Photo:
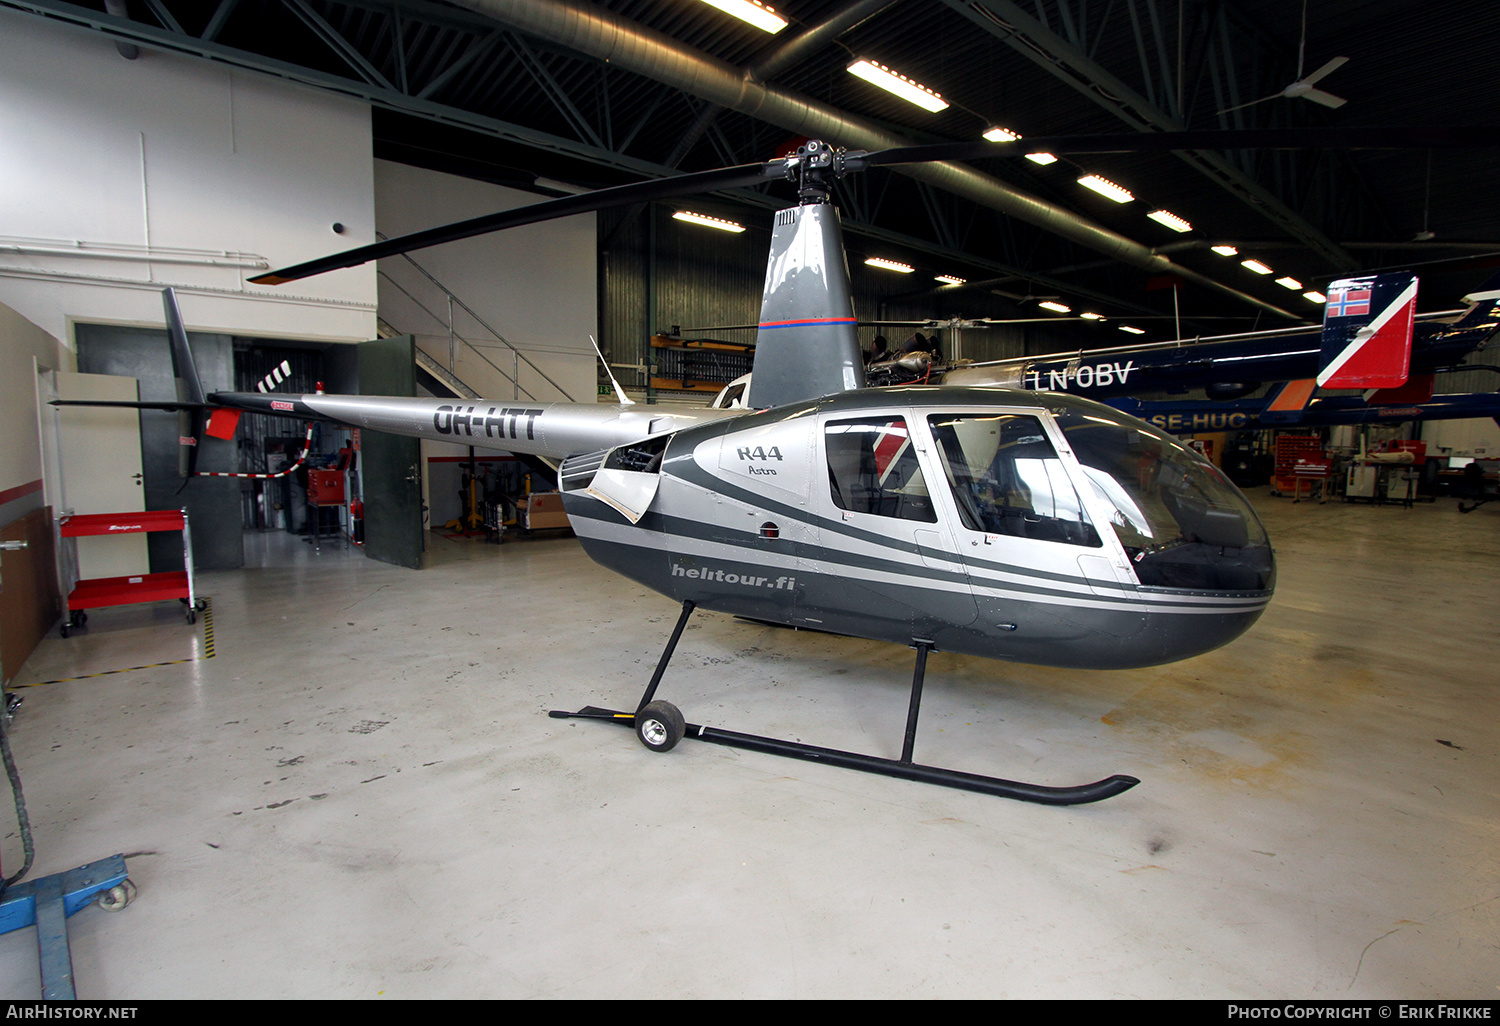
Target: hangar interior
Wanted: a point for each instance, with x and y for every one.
(340, 780)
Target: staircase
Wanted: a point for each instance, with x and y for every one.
(495, 381)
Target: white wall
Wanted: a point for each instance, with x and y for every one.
(21, 343)
(1478, 437)
(535, 285)
(172, 153)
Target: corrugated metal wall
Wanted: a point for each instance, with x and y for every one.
(702, 278)
(1481, 379)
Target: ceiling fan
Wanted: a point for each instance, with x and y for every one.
(1304, 86)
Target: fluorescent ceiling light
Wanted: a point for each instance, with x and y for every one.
(1041, 158)
(998, 134)
(757, 14)
(709, 222)
(894, 82)
(1315, 296)
(1256, 266)
(1106, 188)
(1225, 250)
(1289, 283)
(889, 265)
(1048, 304)
(948, 279)
(1171, 220)
(1092, 316)
(1132, 330)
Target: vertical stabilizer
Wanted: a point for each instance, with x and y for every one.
(1367, 329)
(807, 346)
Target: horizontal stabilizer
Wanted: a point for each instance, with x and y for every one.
(1367, 330)
(1289, 402)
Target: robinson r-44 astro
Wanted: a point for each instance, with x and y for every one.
(1025, 526)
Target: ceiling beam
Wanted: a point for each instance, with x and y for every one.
(1009, 23)
(602, 35)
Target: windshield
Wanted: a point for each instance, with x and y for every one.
(1182, 522)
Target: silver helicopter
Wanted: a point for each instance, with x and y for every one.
(1023, 526)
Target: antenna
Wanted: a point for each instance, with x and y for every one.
(624, 399)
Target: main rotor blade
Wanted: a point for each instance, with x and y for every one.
(1151, 142)
(600, 199)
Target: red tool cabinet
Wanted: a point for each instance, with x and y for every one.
(92, 593)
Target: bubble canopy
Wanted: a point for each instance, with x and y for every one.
(1182, 522)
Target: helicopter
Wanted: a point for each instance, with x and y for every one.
(1022, 526)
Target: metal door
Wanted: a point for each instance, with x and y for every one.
(390, 465)
(888, 565)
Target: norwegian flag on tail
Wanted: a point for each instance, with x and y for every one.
(1367, 328)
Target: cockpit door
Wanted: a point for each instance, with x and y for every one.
(1034, 556)
(888, 564)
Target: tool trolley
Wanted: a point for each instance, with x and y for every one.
(94, 592)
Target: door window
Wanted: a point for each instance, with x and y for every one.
(1007, 479)
(872, 468)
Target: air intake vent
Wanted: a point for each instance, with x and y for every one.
(577, 472)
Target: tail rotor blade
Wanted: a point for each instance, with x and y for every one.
(189, 387)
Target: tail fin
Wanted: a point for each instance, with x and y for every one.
(807, 346)
(191, 421)
(1367, 329)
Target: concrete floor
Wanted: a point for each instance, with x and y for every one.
(361, 795)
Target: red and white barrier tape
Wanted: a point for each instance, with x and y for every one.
(306, 447)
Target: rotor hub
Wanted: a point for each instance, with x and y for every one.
(814, 168)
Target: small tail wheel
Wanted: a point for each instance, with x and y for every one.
(660, 725)
(201, 605)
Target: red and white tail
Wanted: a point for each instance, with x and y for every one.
(1367, 330)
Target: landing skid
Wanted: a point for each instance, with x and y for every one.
(659, 726)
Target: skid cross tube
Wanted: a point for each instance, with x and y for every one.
(903, 768)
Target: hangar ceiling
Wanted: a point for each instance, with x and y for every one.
(594, 94)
